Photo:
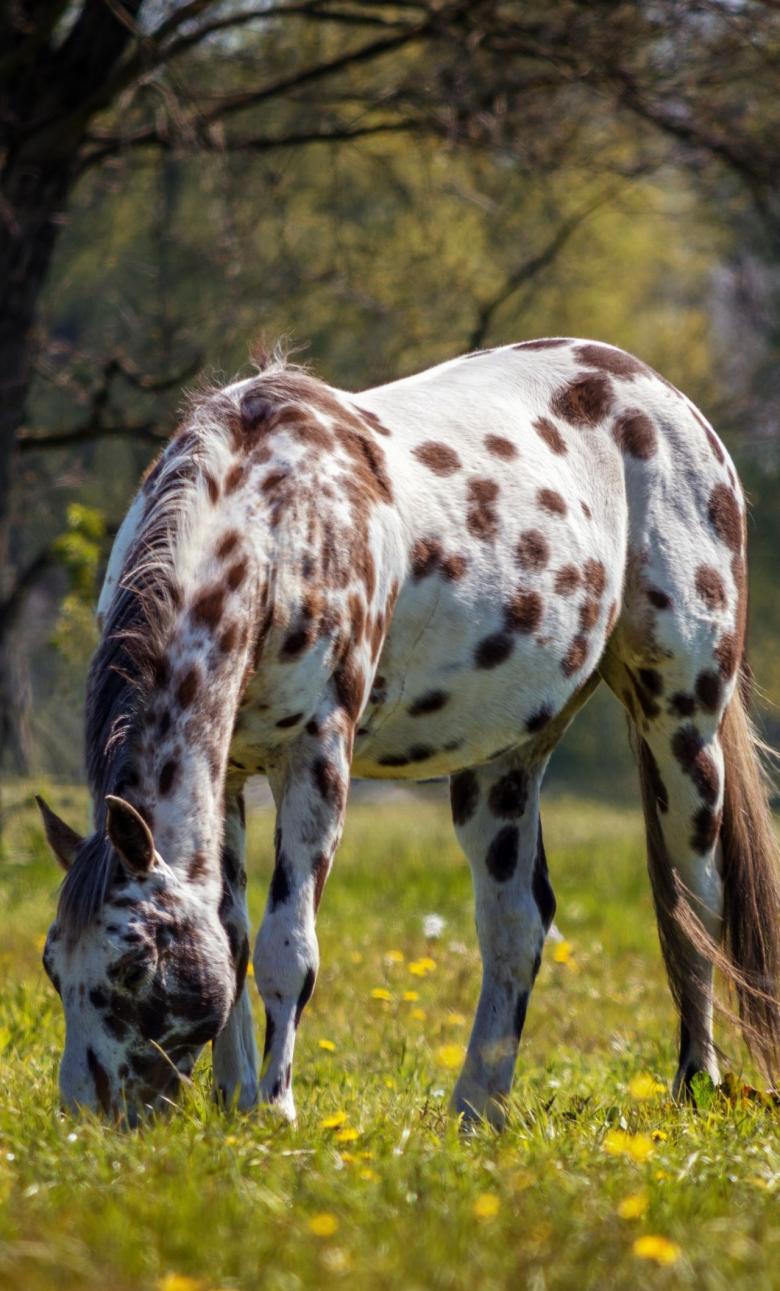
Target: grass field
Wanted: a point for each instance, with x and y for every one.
(599, 1181)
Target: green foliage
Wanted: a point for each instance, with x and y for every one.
(598, 1181)
(80, 551)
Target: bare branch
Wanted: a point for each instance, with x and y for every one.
(88, 432)
(526, 272)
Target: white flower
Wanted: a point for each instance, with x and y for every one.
(433, 926)
(554, 933)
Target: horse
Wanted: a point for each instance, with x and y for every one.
(424, 579)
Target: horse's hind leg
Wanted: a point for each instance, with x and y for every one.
(496, 813)
(681, 771)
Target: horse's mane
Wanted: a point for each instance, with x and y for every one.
(131, 659)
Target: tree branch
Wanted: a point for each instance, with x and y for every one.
(88, 432)
(526, 271)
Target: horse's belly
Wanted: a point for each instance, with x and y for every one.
(463, 683)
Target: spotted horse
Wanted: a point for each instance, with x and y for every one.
(425, 579)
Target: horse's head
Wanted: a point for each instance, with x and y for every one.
(141, 962)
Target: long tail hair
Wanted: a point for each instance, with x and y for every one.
(749, 956)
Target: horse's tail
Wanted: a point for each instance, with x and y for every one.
(749, 955)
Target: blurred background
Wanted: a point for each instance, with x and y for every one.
(385, 185)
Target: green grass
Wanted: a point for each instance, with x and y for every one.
(233, 1201)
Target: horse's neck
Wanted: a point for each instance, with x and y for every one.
(181, 747)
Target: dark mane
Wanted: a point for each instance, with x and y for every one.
(126, 667)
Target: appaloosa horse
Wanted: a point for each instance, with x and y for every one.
(425, 579)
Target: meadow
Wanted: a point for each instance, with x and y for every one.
(599, 1180)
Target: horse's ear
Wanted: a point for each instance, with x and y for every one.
(62, 840)
(130, 835)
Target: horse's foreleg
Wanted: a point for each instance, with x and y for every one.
(496, 813)
(310, 790)
(235, 1052)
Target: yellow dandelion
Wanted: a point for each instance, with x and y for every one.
(381, 993)
(347, 1135)
(422, 967)
(487, 1206)
(327, 1045)
(455, 1020)
(231, 1140)
(323, 1224)
(562, 953)
(450, 1055)
(419, 1015)
(644, 1086)
(660, 1175)
(411, 996)
(333, 1121)
(389, 1082)
(368, 1174)
(619, 1143)
(250, 969)
(395, 956)
(659, 1136)
(659, 1249)
(634, 1206)
(178, 1282)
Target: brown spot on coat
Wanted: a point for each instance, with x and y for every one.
(681, 704)
(575, 656)
(464, 796)
(481, 516)
(501, 856)
(167, 776)
(711, 587)
(493, 650)
(524, 612)
(709, 691)
(548, 343)
(187, 688)
(614, 361)
(228, 543)
(431, 702)
(550, 500)
(501, 447)
(551, 435)
(689, 750)
(725, 516)
(658, 599)
(727, 655)
(236, 574)
(594, 576)
(567, 580)
(235, 477)
(439, 458)
(634, 433)
(538, 720)
(585, 401)
(426, 555)
(319, 869)
(453, 568)
(706, 827)
(533, 550)
(589, 614)
(207, 609)
(508, 797)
